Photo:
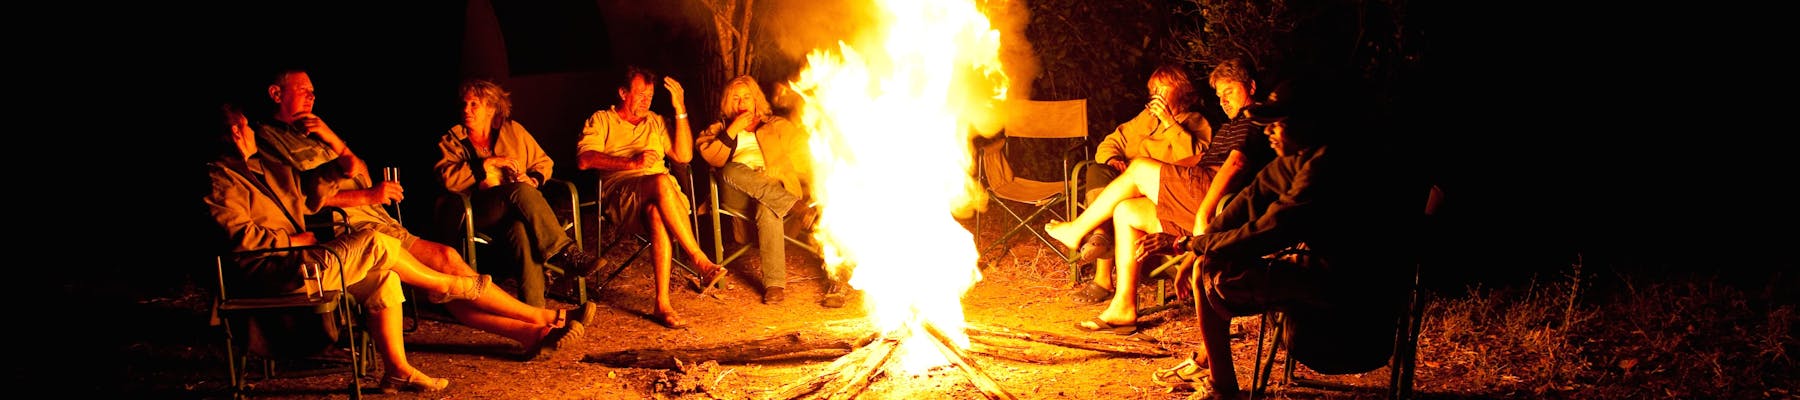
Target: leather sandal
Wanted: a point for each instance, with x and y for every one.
(416, 383)
(553, 341)
(1091, 293)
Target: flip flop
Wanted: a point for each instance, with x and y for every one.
(1190, 371)
(1097, 325)
(1091, 293)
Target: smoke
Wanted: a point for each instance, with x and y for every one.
(1020, 61)
(797, 27)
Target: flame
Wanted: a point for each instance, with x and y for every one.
(891, 150)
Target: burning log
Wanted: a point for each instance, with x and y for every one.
(976, 375)
(1114, 346)
(833, 373)
(732, 352)
(865, 373)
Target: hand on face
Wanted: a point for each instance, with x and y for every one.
(1159, 108)
(745, 121)
(314, 125)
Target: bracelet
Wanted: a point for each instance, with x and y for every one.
(681, 116)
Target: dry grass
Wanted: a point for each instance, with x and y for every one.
(1666, 337)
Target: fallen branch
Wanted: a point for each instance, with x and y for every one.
(1114, 346)
(864, 374)
(730, 353)
(980, 378)
(883, 349)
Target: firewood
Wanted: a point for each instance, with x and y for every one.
(1114, 346)
(732, 352)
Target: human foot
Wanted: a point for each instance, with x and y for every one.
(1063, 232)
(417, 382)
(668, 319)
(710, 274)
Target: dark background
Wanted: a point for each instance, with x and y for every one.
(1555, 147)
(1561, 137)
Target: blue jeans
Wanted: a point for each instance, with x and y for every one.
(772, 204)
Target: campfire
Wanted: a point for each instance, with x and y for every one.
(891, 121)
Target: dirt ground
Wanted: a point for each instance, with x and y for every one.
(1027, 289)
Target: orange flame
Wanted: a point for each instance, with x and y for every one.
(891, 151)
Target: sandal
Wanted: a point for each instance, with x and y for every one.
(1091, 293)
(1097, 325)
(712, 278)
(1189, 372)
(584, 315)
(416, 383)
(553, 341)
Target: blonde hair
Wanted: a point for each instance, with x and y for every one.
(729, 109)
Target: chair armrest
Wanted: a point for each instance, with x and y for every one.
(219, 261)
(574, 207)
(328, 223)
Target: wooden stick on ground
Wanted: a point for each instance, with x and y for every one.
(854, 383)
(976, 375)
(727, 353)
(832, 373)
(1114, 346)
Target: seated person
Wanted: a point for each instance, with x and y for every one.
(627, 144)
(1153, 197)
(499, 165)
(1349, 208)
(258, 204)
(336, 177)
(764, 157)
(1167, 130)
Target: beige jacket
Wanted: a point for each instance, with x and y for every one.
(784, 146)
(512, 141)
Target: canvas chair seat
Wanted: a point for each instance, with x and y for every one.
(1031, 164)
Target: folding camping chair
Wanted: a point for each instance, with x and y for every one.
(682, 174)
(1032, 164)
(468, 238)
(741, 210)
(1402, 362)
(295, 327)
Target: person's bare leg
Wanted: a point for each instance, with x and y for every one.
(526, 333)
(1141, 179)
(675, 218)
(1103, 272)
(662, 253)
(448, 261)
(1133, 219)
(1215, 339)
(389, 339)
(440, 257)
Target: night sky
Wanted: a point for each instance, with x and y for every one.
(1538, 169)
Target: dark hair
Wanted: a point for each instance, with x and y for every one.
(1235, 69)
(634, 71)
(494, 95)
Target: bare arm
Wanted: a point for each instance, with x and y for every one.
(1234, 163)
(681, 148)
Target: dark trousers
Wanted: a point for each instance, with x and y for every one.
(521, 223)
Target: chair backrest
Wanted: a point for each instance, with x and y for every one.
(1031, 160)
